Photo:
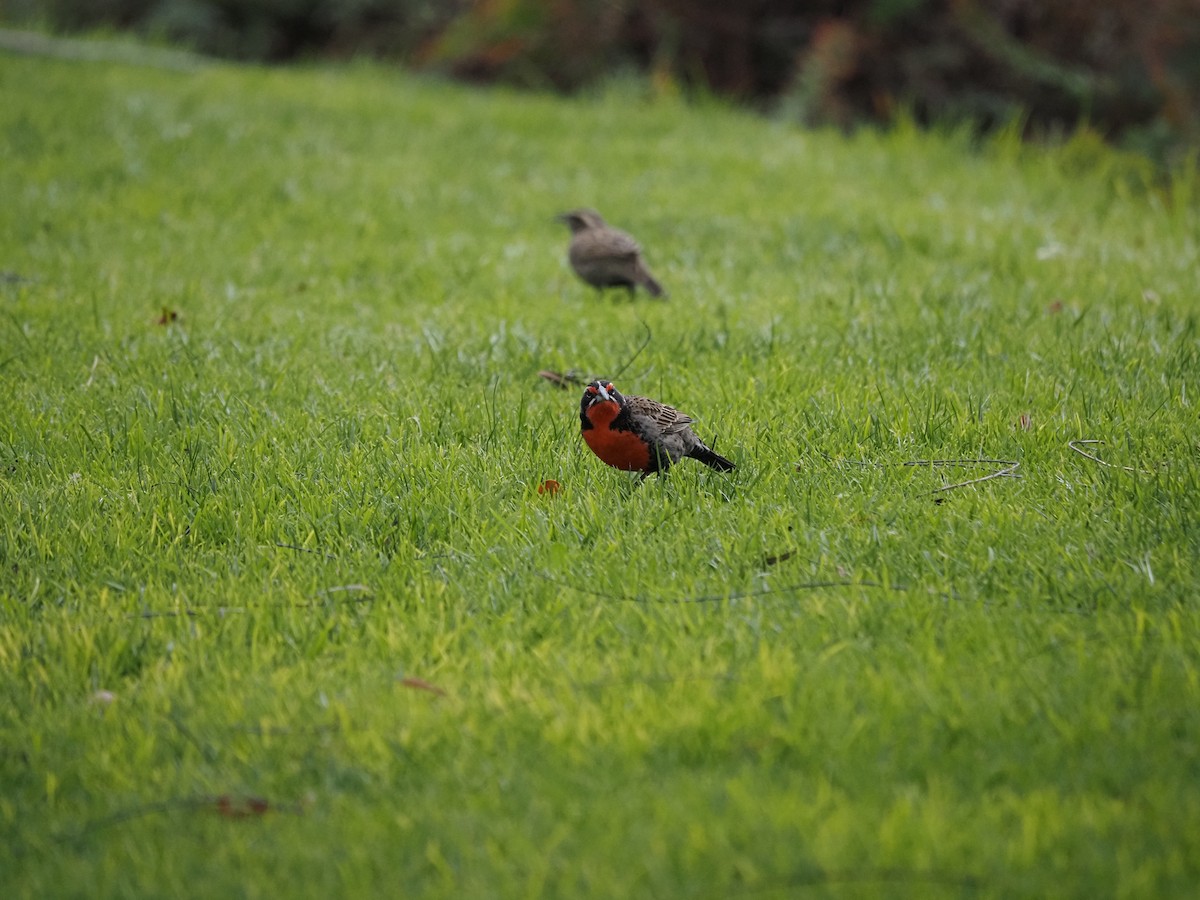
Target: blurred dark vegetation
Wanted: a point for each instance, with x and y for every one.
(1130, 69)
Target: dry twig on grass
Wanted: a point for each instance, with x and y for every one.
(722, 598)
(1009, 471)
(1076, 446)
(1008, 468)
(566, 380)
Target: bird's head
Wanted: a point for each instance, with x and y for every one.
(598, 392)
(581, 219)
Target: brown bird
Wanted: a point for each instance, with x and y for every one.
(604, 256)
(640, 435)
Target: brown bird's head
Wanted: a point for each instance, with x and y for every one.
(581, 219)
(597, 393)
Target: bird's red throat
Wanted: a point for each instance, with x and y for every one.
(620, 449)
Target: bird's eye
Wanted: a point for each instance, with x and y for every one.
(609, 387)
(591, 389)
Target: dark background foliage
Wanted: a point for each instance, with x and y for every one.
(1129, 68)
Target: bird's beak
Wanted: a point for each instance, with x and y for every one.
(604, 392)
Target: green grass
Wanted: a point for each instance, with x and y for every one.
(249, 526)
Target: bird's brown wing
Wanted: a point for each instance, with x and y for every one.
(658, 417)
(605, 243)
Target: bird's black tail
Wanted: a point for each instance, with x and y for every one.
(711, 459)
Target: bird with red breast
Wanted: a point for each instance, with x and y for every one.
(638, 434)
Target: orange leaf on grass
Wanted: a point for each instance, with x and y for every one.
(549, 486)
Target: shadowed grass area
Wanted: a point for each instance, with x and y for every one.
(284, 613)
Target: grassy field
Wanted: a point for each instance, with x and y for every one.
(283, 613)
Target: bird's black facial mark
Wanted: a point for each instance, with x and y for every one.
(600, 392)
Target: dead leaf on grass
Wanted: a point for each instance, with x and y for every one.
(564, 380)
(775, 559)
(232, 807)
(420, 684)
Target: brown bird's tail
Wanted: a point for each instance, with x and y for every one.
(646, 280)
(711, 459)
